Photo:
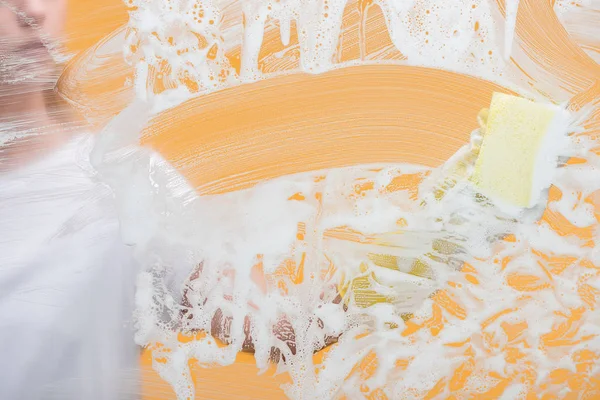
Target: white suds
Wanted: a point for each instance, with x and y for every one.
(267, 263)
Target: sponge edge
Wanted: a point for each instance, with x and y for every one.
(520, 150)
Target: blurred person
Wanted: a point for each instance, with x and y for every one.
(66, 279)
(27, 76)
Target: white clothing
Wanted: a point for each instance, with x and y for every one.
(66, 284)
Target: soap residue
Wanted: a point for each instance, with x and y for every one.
(507, 305)
(195, 44)
(580, 19)
(282, 250)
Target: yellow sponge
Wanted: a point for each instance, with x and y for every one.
(511, 159)
(520, 149)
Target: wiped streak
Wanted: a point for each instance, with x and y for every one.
(581, 21)
(97, 82)
(238, 137)
(364, 34)
(546, 42)
(84, 28)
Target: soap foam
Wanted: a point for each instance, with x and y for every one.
(287, 222)
(202, 254)
(184, 44)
